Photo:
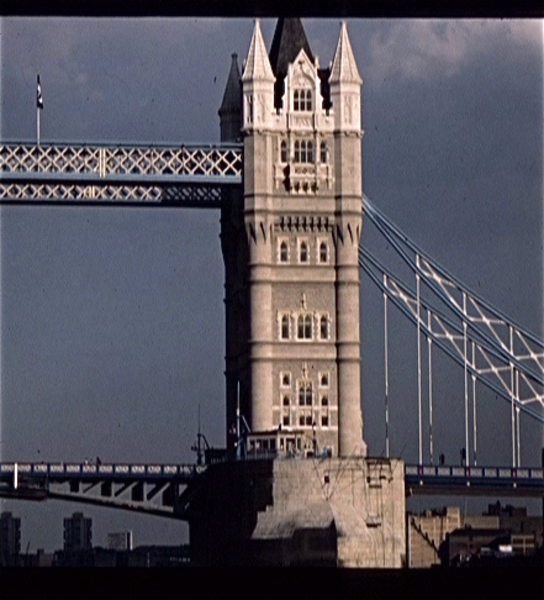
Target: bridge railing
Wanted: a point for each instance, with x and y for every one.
(186, 175)
(92, 470)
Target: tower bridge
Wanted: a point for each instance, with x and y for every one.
(287, 180)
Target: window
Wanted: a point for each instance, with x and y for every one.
(284, 252)
(324, 380)
(303, 252)
(304, 327)
(324, 401)
(324, 327)
(286, 420)
(305, 393)
(324, 420)
(323, 252)
(250, 109)
(304, 151)
(286, 401)
(302, 100)
(285, 327)
(283, 152)
(324, 152)
(285, 379)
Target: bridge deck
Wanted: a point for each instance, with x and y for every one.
(419, 479)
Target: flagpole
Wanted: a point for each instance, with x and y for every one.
(39, 107)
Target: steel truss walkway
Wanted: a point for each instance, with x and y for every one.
(80, 174)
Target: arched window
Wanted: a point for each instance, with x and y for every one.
(296, 102)
(284, 252)
(323, 252)
(297, 151)
(304, 151)
(304, 327)
(324, 380)
(308, 100)
(305, 394)
(285, 327)
(325, 401)
(286, 380)
(310, 152)
(286, 401)
(302, 100)
(303, 252)
(283, 152)
(324, 152)
(324, 327)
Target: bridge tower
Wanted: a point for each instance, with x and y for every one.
(290, 245)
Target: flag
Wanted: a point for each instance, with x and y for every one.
(39, 97)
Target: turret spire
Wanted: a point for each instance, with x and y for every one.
(230, 112)
(344, 68)
(257, 66)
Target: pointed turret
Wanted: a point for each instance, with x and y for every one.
(230, 113)
(345, 86)
(257, 66)
(344, 68)
(257, 83)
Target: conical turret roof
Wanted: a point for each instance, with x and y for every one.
(289, 40)
(232, 98)
(257, 65)
(344, 67)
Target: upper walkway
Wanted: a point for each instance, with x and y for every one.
(120, 174)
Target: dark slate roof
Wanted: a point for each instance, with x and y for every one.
(289, 39)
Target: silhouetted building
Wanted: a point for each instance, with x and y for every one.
(10, 539)
(120, 541)
(77, 533)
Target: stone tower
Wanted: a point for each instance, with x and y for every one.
(290, 243)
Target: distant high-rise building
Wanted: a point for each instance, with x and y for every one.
(120, 541)
(77, 533)
(10, 539)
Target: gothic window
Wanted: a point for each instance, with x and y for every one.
(285, 327)
(324, 152)
(250, 109)
(302, 100)
(324, 401)
(285, 379)
(304, 327)
(305, 393)
(304, 151)
(323, 252)
(303, 253)
(286, 420)
(284, 252)
(283, 152)
(324, 420)
(286, 401)
(324, 327)
(324, 380)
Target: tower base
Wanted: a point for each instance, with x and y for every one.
(345, 512)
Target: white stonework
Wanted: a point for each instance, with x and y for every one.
(298, 290)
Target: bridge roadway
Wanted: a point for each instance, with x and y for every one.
(32, 480)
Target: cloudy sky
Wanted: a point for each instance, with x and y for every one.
(112, 319)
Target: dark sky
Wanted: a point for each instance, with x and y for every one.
(112, 319)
